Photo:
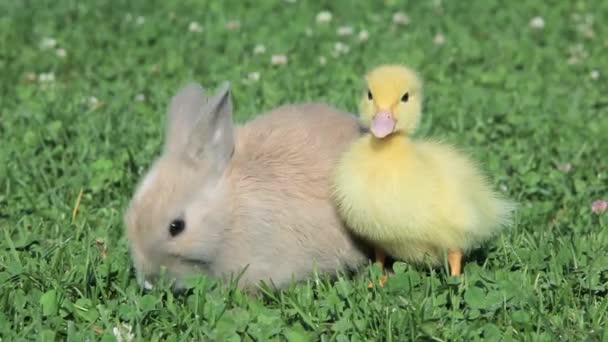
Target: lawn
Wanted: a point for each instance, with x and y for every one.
(83, 91)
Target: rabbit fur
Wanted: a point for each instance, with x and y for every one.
(254, 195)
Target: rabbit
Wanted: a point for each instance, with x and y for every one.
(222, 198)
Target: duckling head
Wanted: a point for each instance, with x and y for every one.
(392, 100)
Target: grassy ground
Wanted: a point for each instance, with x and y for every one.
(84, 113)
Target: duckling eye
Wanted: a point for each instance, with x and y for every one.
(405, 97)
(369, 94)
(176, 227)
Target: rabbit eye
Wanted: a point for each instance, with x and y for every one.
(176, 227)
(405, 97)
(369, 94)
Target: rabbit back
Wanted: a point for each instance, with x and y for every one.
(285, 222)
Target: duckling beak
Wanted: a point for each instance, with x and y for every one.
(383, 124)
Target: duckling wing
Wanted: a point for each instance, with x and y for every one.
(471, 210)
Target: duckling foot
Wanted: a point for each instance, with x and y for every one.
(381, 282)
(380, 259)
(455, 261)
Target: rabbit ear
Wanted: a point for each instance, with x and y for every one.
(212, 138)
(184, 111)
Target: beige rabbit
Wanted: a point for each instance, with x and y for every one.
(220, 198)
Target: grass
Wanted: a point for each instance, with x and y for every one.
(523, 101)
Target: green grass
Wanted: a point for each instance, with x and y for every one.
(497, 87)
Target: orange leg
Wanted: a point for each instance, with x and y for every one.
(455, 261)
(380, 259)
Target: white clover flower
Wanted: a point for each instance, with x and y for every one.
(401, 18)
(140, 97)
(537, 23)
(278, 59)
(584, 25)
(259, 49)
(322, 60)
(566, 167)
(324, 17)
(140, 20)
(345, 31)
(599, 206)
(233, 24)
(363, 36)
(577, 54)
(61, 53)
(341, 49)
(254, 76)
(31, 76)
(594, 75)
(46, 77)
(123, 333)
(195, 27)
(439, 39)
(93, 102)
(48, 43)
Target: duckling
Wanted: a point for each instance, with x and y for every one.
(412, 199)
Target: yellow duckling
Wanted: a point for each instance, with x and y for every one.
(412, 199)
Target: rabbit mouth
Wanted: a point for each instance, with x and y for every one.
(196, 263)
(147, 281)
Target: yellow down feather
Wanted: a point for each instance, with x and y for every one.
(414, 199)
